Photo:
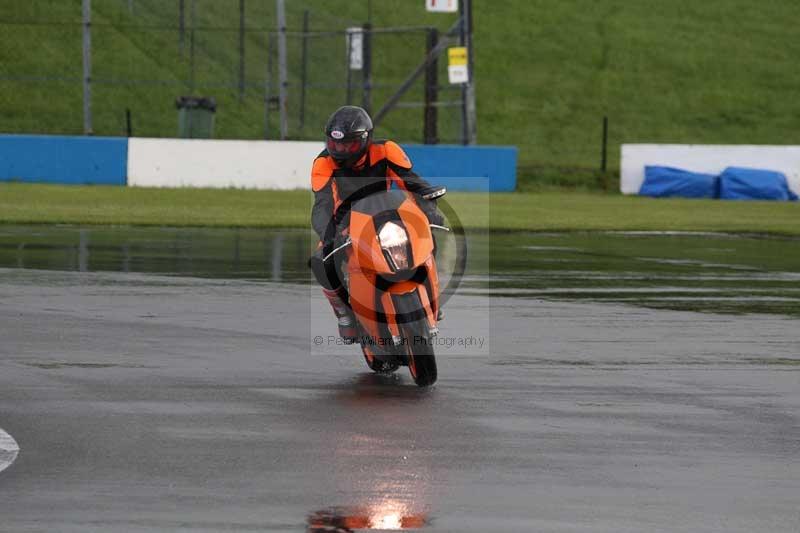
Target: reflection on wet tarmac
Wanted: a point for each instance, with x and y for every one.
(695, 272)
(210, 253)
(386, 516)
(379, 434)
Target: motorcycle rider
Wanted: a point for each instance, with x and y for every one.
(353, 166)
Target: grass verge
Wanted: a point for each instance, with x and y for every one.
(547, 72)
(548, 210)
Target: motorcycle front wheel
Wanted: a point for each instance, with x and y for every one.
(419, 349)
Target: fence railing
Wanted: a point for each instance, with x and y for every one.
(118, 69)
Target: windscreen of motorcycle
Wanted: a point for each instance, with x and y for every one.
(368, 215)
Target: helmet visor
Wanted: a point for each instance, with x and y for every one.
(346, 148)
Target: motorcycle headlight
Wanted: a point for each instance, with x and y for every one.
(394, 242)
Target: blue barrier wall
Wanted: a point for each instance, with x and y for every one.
(69, 160)
(104, 161)
(466, 168)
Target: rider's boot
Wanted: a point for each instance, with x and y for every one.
(346, 319)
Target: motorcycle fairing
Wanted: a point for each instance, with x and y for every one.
(375, 309)
(373, 284)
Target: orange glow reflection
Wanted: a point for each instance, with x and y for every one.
(385, 516)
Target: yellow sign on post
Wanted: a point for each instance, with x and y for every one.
(457, 64)
(457, 55)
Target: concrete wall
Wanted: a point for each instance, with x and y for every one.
(711, 159)
(219, 164)
(287, 165)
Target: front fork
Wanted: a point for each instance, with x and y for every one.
(378, 308)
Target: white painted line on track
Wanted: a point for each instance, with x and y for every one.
(8, 450)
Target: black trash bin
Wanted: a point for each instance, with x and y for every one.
(196, 117)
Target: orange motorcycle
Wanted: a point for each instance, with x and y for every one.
(388, 268)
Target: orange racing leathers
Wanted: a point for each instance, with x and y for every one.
(336, 188)
(384, 164)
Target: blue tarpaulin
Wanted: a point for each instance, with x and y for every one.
(665, 182)
(754, 184)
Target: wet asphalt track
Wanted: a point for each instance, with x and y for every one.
(160, 404)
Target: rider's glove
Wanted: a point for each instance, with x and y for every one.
(431, 211)
(435, 216)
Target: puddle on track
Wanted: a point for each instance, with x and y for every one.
(707, 272)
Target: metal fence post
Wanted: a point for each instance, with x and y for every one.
(128, 123)
(241, 50)
(366, 102)
(193, 22)
(268, 83)
(430, 133)
(304, 67)
(87, 67)
(349, 72)
(604, 156)
(472, 112)
(468, 107)
(182, 24)
(283, 74)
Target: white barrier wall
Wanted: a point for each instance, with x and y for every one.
(710, 159)
(219, 164)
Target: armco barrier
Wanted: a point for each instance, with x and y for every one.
(213, 163)
(708, 159)
(68, 160)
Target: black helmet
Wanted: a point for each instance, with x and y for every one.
(348, 135)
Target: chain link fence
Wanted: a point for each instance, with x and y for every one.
(144, 54)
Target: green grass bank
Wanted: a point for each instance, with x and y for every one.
(718, 71)
(543, 211)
